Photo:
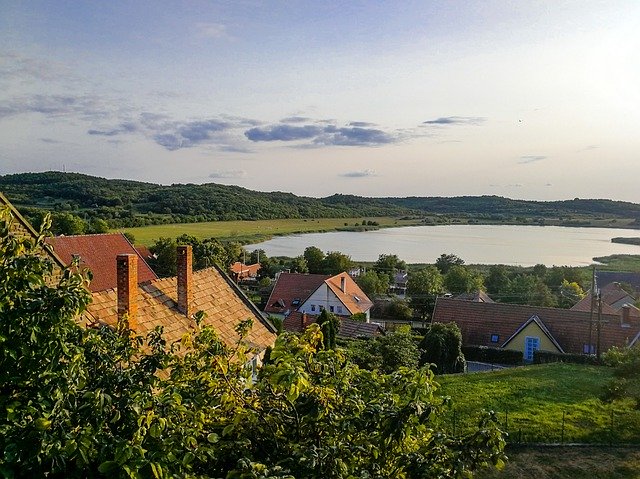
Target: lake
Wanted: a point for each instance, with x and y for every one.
(479, 244)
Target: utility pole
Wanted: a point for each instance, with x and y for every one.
(593, 303)
(599, 324)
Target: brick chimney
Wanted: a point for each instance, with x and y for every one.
(626, 309)
(303, 320)
(185, 281)
(127, 283)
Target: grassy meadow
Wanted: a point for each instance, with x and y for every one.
(250, 231)
(531, 402)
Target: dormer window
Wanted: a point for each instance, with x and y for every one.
(295, 302)
(357, 299)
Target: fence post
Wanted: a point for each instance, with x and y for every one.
(611, 429)
(562, 435)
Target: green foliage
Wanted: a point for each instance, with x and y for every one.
(570, 294)
(446, 261)
(543, 357)
(442, 346)
(399, 309)
(460, 279)
(329, 325)
(373, 283)
(314, 257)
(80, 402)
(626, 380)
(486, 354)
(422, 288)
(389, 264)
(395, 350)
(67, 224)
(336, 262)
(164, 257)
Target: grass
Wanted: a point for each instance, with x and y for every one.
(250, 231)
(569, 463)
(620, 262)
(533, 402)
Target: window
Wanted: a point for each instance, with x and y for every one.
(295, 302)
(495, 338)
(331, 308)
(313, 307)
(589, 349)
(339, 309)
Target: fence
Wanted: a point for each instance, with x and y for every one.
(611, 427)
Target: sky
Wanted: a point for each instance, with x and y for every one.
(528, 100)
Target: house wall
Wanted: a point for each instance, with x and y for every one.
(324, 297)
(532, 329)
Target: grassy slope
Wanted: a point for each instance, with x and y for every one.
(253, 230)
(536, 397)
(569, 463)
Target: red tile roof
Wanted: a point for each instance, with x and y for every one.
(479, 321)
(352, 297)
(612, 298)
(242, 271)
(290, 286)
(98, 253)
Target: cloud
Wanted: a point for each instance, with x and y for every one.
(295, 119)
(548, 184)
(359, 174)
(49, 141)
(523, 160)
(353, 137)
(456, 120)
(54, 106)
(126, 127)
(228, 174)
(283, 133)
(174, 135)
(361, 124)
(321, 135)
(212, 30)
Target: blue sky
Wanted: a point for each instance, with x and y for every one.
(521, 99)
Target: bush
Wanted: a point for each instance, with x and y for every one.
(544, 357)
(486, 354)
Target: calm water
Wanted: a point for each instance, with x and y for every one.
(488, 244)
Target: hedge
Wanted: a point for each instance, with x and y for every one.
(543, 357)
(485, 354)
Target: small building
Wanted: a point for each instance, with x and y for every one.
(244, 272)
(312, 293)
(297, 322)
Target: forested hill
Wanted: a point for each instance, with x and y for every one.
(132, 203)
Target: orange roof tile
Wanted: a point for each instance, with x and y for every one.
(214, 293)
(352, 297)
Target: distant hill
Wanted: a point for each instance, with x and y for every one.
(134, 203)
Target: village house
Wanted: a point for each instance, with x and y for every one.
(313, 293)
(244, 272)
(530, 328)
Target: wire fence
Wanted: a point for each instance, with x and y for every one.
(612, 427)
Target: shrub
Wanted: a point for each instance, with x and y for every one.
(486, 354)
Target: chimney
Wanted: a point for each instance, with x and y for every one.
(127, 283)
(625, 315)
(303, 320)
(185, 282)
(343, 284)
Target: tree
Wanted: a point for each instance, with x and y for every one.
(164, 258)
(98, 225)
(446, 261)
(389, 264)
(399, 309)
(314, 257)
(442, 346)
(626, 374)
(257, 256)
(67, 224)
(299, 265)
(529, 289)
(422, 288)
(388, 353)
(329, 324)
(497, 281)
(461, 279)
(91, 402)
(336, 262)
(570, 294)
(373, 284)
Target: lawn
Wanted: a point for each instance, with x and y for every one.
(250, 231)
(548, 403)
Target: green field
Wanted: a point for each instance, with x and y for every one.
(533, 402)
(250, 231)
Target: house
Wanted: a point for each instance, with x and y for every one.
(529, 328)
(615, 300)
(297, 322)
(167, 302)
(477, 296)
(399, 285)
(172, 303)
(604, 278)
(244, 272)
(312, 293)
(97, 252)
